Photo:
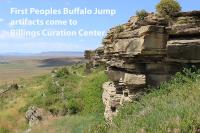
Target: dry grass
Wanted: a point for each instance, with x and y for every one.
(11, 118)
(14, 69)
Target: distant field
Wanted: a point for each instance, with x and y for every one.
(13, 69)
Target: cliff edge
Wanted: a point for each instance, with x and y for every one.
(146, 52)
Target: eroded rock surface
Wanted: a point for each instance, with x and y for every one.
(147, 52)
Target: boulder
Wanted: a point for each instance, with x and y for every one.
(34, 115)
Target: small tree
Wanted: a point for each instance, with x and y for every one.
(167, 7)
(142, 14)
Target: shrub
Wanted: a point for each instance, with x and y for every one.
(119, 29)
(72, 106)
(62, 72)
(142, 14)
(167, 7)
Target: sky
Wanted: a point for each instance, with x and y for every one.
(124, 10)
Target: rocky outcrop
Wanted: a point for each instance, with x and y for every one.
(94, 58)
(35, 115)
(147, 52)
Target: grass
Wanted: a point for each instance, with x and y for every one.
(9, 112)
(69, 124)
(173, 108)
(14, 68)
(85, 96)
(76, 103)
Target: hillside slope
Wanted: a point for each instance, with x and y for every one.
(174, 108)
(70, 95)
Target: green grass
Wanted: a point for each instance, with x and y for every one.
(4, 130)
(175, 107)
(84, 96)
(69, 124)
(12, 103)
(77, 110)
(80, 90)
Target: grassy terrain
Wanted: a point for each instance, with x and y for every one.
(84, 104)
(76, 104)
(12, 69)
(174, 108)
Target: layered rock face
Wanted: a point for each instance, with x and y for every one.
(147, 52)
(94, 58)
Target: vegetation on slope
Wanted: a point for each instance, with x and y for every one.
(88, 100)
(70, 94)
(173, 108)
(78, 107)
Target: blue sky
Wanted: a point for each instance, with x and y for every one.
(125, 9)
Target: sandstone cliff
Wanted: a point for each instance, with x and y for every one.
(146, 52)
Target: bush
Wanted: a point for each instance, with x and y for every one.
(119, 29)
(167, 7)
(73, 106)
(63, 72)
(142, 14)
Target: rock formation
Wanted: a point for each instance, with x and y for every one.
(94, 58)
(147, 52)
(34, 115)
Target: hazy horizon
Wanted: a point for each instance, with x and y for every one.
(46, 53)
